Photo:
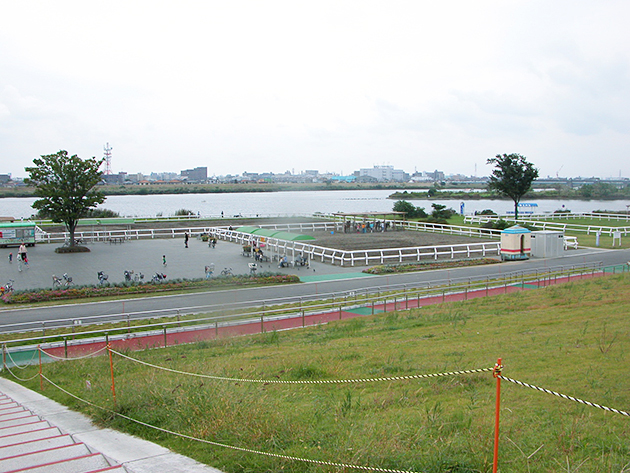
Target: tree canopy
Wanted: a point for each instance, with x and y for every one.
(512, 177)
(66, 187)
(411, 210)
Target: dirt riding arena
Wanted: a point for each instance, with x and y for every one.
(390, 239)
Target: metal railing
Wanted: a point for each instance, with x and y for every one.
(223, 315)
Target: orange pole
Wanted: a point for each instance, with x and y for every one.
(41, 379)
(496, 372)
(111, 367)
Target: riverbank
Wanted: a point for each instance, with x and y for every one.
(169, 189)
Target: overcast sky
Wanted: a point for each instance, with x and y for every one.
(329, 85)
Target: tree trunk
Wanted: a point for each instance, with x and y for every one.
(71, 228)
(515, 210)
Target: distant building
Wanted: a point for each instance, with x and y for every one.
(385, 174)
(4, 179)
(199, 174)
(343, 178)
(115, 179)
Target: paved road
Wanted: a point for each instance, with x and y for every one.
(146, 256)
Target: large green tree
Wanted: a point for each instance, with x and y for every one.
(512, 177)
(66, 187)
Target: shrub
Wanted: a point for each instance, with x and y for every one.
(102, 213)
(485, 212)
(183, 212)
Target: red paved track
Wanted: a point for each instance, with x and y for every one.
(141, 342)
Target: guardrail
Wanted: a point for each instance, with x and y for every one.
(238, 313)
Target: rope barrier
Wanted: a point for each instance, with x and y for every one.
(565, 396)
(218, 444)
(18, 366)
(18, 378)
(89, 355)
(317, 381)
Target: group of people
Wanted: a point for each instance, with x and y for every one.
(365, 227)
(22, 257)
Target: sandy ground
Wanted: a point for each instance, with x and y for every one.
(392, 239)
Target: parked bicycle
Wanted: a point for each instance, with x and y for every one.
(102, 277)
(7, 288)
(158, 277)
(56, 281)
(128, 275)
(67, 280)
(227, 272)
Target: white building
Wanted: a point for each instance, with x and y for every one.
(385, 174)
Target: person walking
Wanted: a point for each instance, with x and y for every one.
(23, 254)
(164, 260)
(10, 258)
(186, 239)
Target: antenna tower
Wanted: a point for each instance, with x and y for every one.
(108, 159)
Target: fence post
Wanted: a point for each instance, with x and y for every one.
(4, 355)
(164, 330)
(65, 347)
(497, 374)
(41, 379)
(111, 368)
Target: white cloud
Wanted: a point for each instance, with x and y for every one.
(336, 85)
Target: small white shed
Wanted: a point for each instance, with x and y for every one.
(547, 244)
(515, 243)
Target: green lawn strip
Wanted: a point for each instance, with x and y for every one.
(572, 338)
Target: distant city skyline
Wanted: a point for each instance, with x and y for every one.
(176, 173)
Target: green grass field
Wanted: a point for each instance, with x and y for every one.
(573, 339)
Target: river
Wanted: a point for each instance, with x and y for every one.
(296, 203)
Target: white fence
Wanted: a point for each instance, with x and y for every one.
(295, 249)
(544, 225)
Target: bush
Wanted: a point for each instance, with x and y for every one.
(72, 249)
(183, 212)
(411, 210)
(499, 224)
(102, 213)
(440, 212)
(485, 212)
(132, 287)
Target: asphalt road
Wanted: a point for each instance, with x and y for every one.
(322, 279)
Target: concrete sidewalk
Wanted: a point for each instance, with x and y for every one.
(40, 435)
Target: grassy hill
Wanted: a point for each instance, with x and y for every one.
(572, 338)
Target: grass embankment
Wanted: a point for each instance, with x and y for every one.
(573, 338)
